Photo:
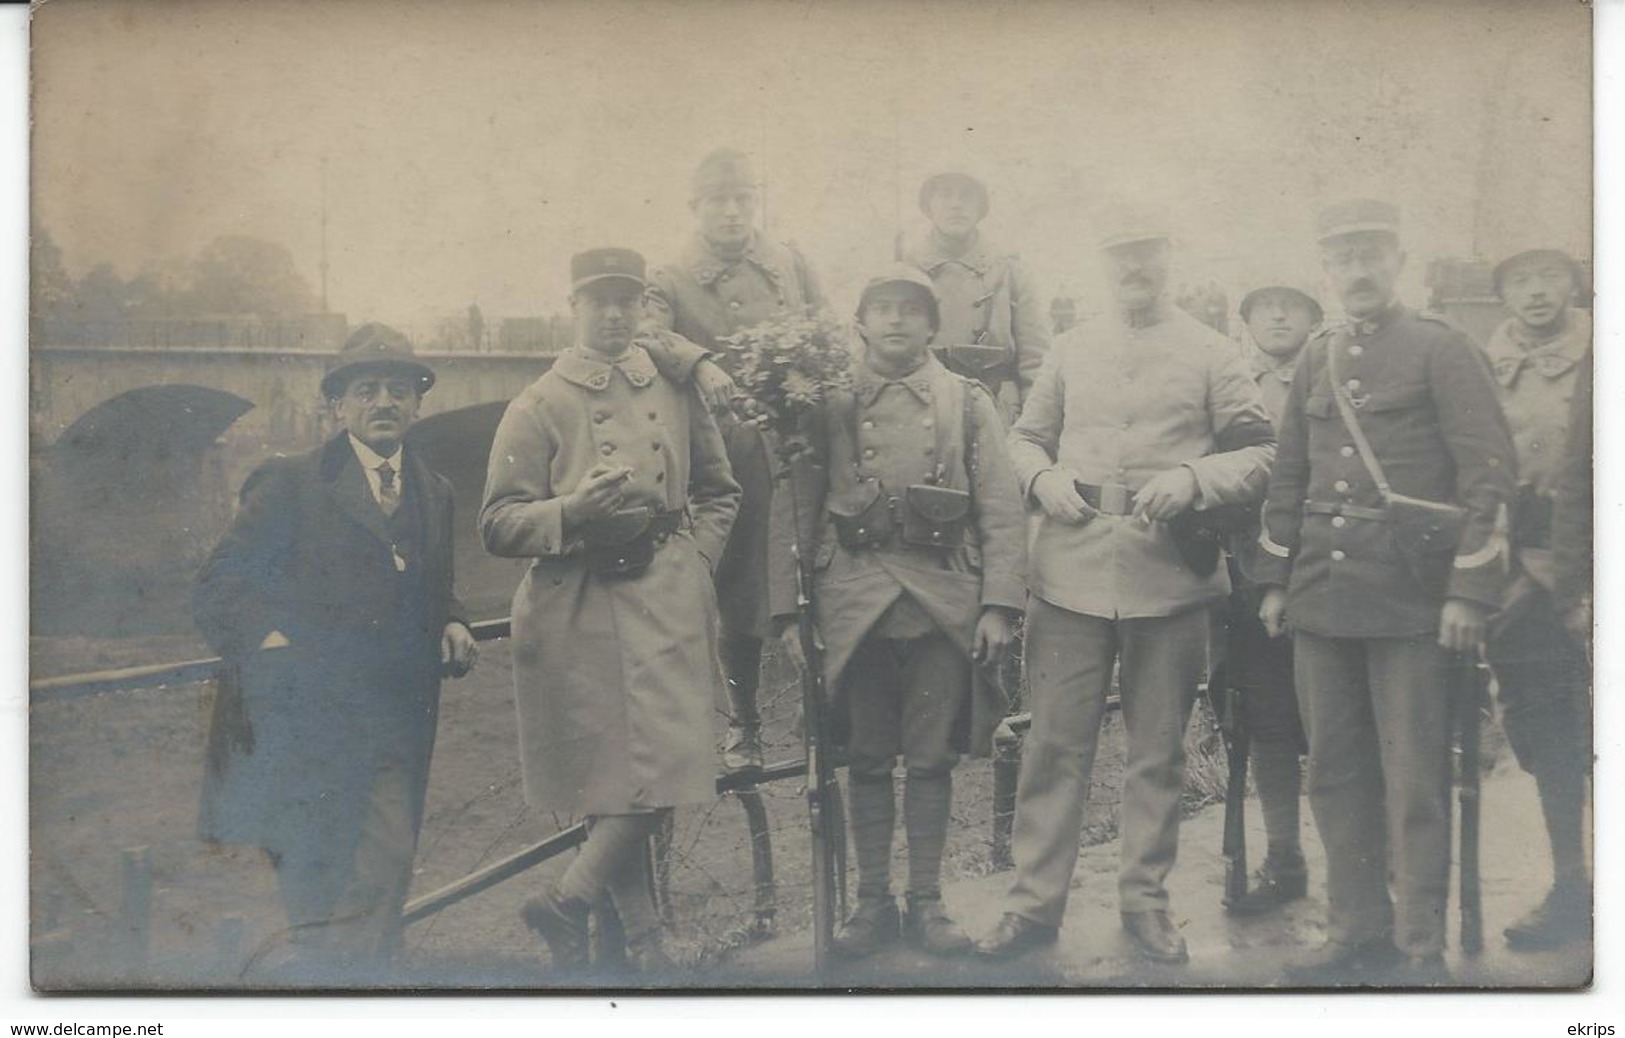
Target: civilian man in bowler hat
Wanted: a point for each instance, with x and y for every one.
(729, 278)
(1141, 419)
(614, 481)
(332, 596)
(1374, 625)
(987, 293)
(1543, 677)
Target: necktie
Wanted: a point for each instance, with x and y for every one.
(389, 493)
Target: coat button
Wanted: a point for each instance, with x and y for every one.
(1356, 350)
(868, 423)
(868, 452)
(608, 448)
(1339, 521)
(1354, 385)
(733, 304)
(600, 417)
(1341, 486)
(1347, 450)
(656, 445)
(927, 423)
(653, 417)
(1338, 555)
(930, 451)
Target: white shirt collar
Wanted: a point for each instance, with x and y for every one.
(371, 459)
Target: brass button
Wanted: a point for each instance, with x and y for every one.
(1338, 555)
(1347, 450)
(660, 477)
(927, 423)
(608, 448)
(1341, 486)
(930, 451)
(1356, 350)
(1339, 521)
(733, 304)
(868, 423)
(600, 417)
(868, 452)
(653, 417)
(1354, 385)
(655, 445)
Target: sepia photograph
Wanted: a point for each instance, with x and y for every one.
(810, 495)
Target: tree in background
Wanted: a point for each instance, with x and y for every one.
(50, 288)
(476, 326)
(238, 274)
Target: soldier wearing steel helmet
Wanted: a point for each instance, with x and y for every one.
(987, 293)
(1539, 355)
(919, 564)
(1374, 625)
(1279, 316)
(729, 277)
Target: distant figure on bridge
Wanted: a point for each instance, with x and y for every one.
(332, 596)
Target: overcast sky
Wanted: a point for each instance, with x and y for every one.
(473, 146)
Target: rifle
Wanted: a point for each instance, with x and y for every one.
(1468, 684)
(823, 794)
(1236, 745)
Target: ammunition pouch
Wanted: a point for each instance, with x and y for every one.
(989, 365)
(623, 545)
(1426, 534)
(935, 517)
(1200, 536)
(863, 517)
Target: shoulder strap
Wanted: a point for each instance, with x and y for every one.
(987, 303)
(1351, 420)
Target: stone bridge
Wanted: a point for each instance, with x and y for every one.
(67, 381)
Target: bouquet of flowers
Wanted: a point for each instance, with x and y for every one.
(785, 368)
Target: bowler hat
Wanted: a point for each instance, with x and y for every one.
(1355, 215)
(374, 347)
(606, 264)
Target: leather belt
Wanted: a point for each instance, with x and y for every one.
(1377, 515)
(1107, 498)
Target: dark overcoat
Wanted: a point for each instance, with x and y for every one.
(297, 732)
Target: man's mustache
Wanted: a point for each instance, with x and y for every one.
(383, 413)
(1363, 285)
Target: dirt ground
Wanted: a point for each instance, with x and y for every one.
(114, 795)
(120, 771)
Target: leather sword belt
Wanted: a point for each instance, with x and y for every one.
(1107, 498)
(1377, 515)
(624, 544)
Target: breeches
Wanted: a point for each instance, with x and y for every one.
(903, 696)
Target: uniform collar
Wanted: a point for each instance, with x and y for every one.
(587, 370)
(1379, 320)
(1511, 350)
(868, 383)
(1266, 365)
(923, 249)
(706, 265)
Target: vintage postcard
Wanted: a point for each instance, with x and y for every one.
(791, 496)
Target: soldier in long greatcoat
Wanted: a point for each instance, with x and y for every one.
(615, 482)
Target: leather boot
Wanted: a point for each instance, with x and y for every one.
(1278, 881)
(1340, 964)
(928, 928)
(1155, 937)
(561, 922)
(1562, 918)
(742, 750)
(873, 926)
(1015, 935)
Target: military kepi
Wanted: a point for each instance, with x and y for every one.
(1124, 223)
(1356, 215)
(374, 347)
(596, 265)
